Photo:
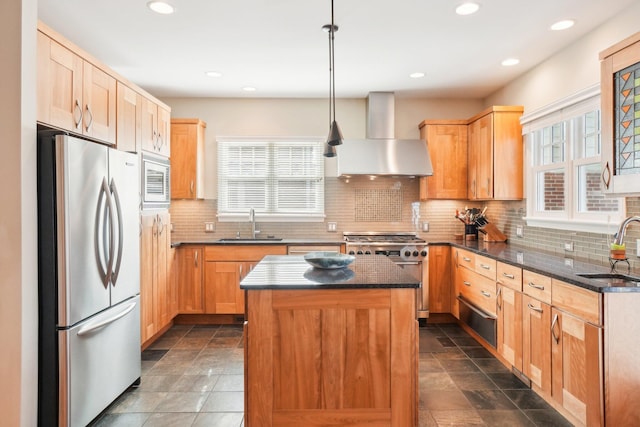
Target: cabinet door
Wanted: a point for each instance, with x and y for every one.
(148, 303)
(149, 125)
(577, 367)
(455, 281)
(59, 85)
(128, 116)
(164, 132)
(222, 287)
(185, 154)
(536, 342)
(507, 176)
(190, 289)
(481, 158)
(448, 152)
(439, 279)
(509, 311)
(99, 96)
(163, 244)
(172, 291)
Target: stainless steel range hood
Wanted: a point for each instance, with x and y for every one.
(380, 153)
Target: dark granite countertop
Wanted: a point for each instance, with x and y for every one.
(553, 265)
(293, 272)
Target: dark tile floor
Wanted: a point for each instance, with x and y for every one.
(193, 376)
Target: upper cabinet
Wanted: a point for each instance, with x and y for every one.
(187, 158)
(73, 94)
(496, 155)
(476, 159)
(620, 83)
(447, 140)
(79, 94)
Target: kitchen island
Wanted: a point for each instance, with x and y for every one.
(330, 347)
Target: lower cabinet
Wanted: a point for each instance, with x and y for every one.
(536, 342)
(576, 365)
(439, 279)
(190, 272)
(509, 311)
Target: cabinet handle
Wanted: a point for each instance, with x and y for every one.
(539, 287)
(195, 258)
(466, 283)
(78, 108)
(154, 228)
(606, 175)
(240, 270)
(466, 259)
(155, 140)
(486, 294)
(499, 298)
(160, 226)
(509, 276)
(485, 266)
(160, 141)
(191, 187)
(553, 326)
(534, 308)
(90, 118)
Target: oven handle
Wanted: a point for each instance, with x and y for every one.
(407, 262)
(474, 308)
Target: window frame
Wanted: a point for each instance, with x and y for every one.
(571, 219)
(270, 212)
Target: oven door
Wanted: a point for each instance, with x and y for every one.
(415, 268)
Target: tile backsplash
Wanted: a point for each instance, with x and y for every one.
(385, 204)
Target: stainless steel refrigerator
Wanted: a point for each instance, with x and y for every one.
(89, 278)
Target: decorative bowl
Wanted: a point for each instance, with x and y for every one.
(329, 276)
(328, 260)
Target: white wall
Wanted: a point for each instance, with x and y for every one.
(18, 251)
(569, 71)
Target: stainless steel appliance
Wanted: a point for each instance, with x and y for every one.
(89, 278)
(156, 182)
(405, 249)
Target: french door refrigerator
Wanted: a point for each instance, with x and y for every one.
(89, 278)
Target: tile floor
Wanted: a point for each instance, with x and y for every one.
(193, 376)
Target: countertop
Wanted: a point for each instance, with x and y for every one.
(552, 265)
(244, 241)
(293, 272)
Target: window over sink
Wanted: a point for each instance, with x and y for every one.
(563, 167)
(281, 179)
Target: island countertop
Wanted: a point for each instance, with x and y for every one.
(293, 272)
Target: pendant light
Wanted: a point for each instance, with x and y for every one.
(335, 135)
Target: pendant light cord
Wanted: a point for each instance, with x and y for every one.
(332, 65)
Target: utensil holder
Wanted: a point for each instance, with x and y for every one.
(470, 231)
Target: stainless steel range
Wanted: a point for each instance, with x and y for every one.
(405, 249)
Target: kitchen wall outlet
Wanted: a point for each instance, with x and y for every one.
(209, 227)
(568, 246)
(519, 231)
(425, 226)
(638, 248)
(332, 226)
(568, 262)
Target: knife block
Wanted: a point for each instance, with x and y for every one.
(492, 234)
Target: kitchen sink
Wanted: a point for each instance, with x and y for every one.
(612, 279)
(249, 240)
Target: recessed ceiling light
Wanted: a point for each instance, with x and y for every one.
(249, 89)
(467, 8)
(563, 25)
(161, 7)
(509, 62)
(213, 73)
(417, 75)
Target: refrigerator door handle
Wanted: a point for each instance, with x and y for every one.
(109, 210)
(103, 250)
(116, 198)
(87, 329)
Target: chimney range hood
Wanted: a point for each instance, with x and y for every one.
(380, 153)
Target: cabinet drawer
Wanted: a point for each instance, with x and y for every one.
(241, 252)
(509, 276)
(537, 286)
(479, 290)
(486, 267)
(577, 301)
(466, 259)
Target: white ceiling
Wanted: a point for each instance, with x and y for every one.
(278, 46)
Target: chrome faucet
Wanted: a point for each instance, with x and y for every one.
(252, 219)
(623, 228)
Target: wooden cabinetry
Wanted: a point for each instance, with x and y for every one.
(439, 279)
(496, 155)
(509, 328)
(225, 266)
(187, 158)
(73, 94)
(155, 128)
(619, 141)
(190, 279)
(447, 142)
(129, 117)
(536, 343)
(155, 303)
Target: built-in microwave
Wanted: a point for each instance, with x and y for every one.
(156, 181)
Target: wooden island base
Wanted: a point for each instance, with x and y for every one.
(331, 357)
